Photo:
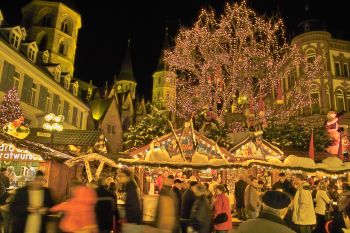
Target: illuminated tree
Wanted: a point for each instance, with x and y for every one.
(9, 107)
(237, 62)
(150, 127)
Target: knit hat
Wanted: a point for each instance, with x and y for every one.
(276, 199)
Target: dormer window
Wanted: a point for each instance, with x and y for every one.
(24, 33)
(57, 74)
(75, 88)
(46, 56)
(66, 82)
(31, 54)
(14, 40)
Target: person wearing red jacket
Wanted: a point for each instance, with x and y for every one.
(79, 210)
(222, 205)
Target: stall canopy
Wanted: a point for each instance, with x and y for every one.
(14, 149)
(251, 145)
(93, 157)
(183, 148)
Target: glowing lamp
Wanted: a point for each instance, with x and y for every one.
(49, 117)
(57, 127)
(58, 119)
(47, 126)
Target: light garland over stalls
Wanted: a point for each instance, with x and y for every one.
(237, 56)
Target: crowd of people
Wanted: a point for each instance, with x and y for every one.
(299, 204)
(302, 205)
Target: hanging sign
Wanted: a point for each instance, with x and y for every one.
(8, 152)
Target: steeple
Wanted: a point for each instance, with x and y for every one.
(126, 72)
(126, 82)
(166, 45)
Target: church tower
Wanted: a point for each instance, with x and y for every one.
(125, 82)
(164, 82)
(54, 26)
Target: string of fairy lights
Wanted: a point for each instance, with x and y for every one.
(237, 56)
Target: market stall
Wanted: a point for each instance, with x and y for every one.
(18, 153)
(86, 160)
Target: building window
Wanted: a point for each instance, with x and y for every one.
(75, 88)
(62, 49)
(75, 117)
(57, 74)
(16, 78)
(66, 83)
(43, 43)
(337, 69)
(48, 102)
(315, 100)
(311, 59)
(33, 94)
(46, 21)
(14, 40)
(66, 27)
(340, 100)
(346, 70)
(31, 54)
(113, 129)
(109, 129)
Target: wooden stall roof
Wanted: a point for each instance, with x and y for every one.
(33, 147)
(168, 136)
(90, 157)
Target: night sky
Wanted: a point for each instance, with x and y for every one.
(106, 28)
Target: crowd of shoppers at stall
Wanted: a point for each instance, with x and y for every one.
(298, 204)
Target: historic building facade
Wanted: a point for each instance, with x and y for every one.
(31, 62)
(331, 91)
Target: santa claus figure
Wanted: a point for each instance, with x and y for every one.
(334, 132)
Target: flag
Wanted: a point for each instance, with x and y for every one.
(311, 146)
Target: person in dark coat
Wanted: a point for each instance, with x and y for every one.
(177, 188)
(240, 187)
(284, 185)
(201, 214)
(275, 206)
(188, 199)
(132, 202)
(106, 211)
(30, 206)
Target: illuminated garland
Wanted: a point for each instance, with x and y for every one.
(230, 166)
(223, 61)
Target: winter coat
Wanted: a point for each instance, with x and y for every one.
(265, 223)
(166, 218)
(322, 200)
(251, 198)
(132, 203)
(201, 215)
(188, 199)
(105, 209)
(304, 213)
(79, 211)
(240, 187)
(19, 212)
(178, 194)
(222, 204)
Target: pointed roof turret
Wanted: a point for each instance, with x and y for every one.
(126, 72)
(166, 45)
